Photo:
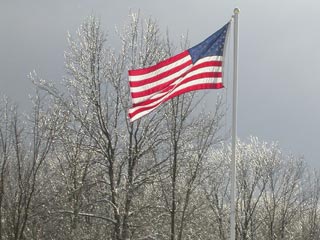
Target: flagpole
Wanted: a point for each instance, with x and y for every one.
(234, 128)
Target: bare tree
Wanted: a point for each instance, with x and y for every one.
(7, 112)
(98, 99)
(31, 142)
(309, 217)
(254, 158)
(189, 138)
(269, 191)
(216, 192)
(282, 198)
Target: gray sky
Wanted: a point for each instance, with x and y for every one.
(279, 65)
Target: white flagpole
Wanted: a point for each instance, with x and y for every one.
(234, 128)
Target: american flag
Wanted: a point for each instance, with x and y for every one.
(199, 67)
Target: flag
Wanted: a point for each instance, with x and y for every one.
(199, 67)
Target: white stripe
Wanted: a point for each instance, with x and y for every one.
(208, 59)
(141, 114)
(173, 65)
(169, 78)
(175, 75)
(186, 85)
(142, 99)
(159, 70)
(151, 96)
(161, 81)
(159, 102)
(190, 74)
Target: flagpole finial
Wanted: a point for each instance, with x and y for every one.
(236, 11)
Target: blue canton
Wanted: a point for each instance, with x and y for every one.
(212, 46)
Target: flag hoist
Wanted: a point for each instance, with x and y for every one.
(199, 67)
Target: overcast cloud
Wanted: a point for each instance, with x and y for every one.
(279, 54)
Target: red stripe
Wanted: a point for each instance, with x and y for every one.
(174, 70)
(210, 63)
(160, 76)
(167, 86)
(168, 61)
(184, 90)
(164, 87)
(147, 102)
(160, 87)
